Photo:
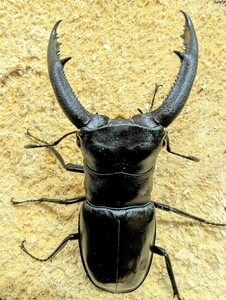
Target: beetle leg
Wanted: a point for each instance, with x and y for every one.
(69, 166)
(168, 149)
(70, 237)
(56, 201)
(44, 142)
(184, 214)
(160, 251)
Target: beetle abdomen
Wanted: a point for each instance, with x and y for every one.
(115, 245)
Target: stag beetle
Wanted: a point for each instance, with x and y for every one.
(117, 223)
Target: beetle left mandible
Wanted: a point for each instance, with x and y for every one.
(117, 224)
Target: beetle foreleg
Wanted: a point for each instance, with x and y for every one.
(70, 237)
(44, 142)
(184, 214)
(56, 201)
(168, 149)
(160, 251)
(69, 166)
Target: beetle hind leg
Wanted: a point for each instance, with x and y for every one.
(160, 251)
(70, 237)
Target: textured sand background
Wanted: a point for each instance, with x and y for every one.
(120, 49)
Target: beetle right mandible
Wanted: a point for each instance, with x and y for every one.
(117, 224)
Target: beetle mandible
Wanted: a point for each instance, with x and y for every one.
(117, 223)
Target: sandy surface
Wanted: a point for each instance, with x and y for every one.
(120, 50)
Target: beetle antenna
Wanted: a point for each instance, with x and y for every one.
(153, 97)
(155, 92)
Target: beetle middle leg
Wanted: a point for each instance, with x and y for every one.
(184, 214)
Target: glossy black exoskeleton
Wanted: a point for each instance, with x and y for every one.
(117, 223)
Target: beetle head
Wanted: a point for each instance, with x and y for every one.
(146, 129)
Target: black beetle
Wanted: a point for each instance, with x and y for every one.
(117, 225)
